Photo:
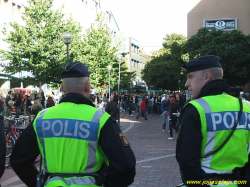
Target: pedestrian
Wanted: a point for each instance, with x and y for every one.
(36, 107)
(158, 105)
(27, 107)
(212, 146)
(1, 106)
(149, 106)
(75, 140)
(135, 101)
(179, 101)
(8, 98)
(143, 108)
(50, 102)
(112, 108)
(17, 103)
(165, 108)
(140, 98)
(2, 148)
(126, 101)
(242, 95)
(173, 113)
(130, 104)
(115, 99)
(33, 95)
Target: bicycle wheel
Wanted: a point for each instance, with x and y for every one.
(122, 113)
(10, 142)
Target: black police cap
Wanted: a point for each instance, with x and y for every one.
(203, 62)
(75, 69)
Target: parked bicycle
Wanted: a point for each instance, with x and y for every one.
(13, 129)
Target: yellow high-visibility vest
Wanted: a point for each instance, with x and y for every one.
(68, 136)
(218, 115)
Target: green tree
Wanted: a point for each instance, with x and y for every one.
(37, 46)
(125, 76)
(99, 53)
(163, 69)
(232, 47)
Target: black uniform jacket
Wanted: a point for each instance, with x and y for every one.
(188, 148)
(2, 148)
(121, 170)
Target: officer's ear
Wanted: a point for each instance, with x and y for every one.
(87, 86)
(207, 77)
(62, 88)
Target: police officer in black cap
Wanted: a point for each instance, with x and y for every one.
(76, 141)
(210, 149)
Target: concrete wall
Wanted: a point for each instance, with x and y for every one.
(217, 9)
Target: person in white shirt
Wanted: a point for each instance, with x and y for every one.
(163, 97)
(242, 96)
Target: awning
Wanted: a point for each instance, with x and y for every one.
(135, 45)
(156, 91)
(141, 90)
(132, 59)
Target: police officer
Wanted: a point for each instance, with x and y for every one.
(75, 140)
(2, 147)
(206, 122)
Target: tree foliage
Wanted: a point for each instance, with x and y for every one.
(163, 69)
(99, 53)
(37, 46)
(232, 47)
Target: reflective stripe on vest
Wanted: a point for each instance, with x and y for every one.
(248, 103)
(216, 124)
(73, 129)
(80, 181)
(210, 142)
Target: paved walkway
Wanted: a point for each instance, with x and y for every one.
(155, 154)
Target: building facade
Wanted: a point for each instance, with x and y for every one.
(135, 57)
(219, 10)
(10, 11)
(220, 14)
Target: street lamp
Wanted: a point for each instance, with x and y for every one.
(67, 38)
(119, 59)
(109, 68)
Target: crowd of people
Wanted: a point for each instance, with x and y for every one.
(145, 104)
(167, 105)
(82, 145)
(24, 104)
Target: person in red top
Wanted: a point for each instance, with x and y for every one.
(143, 107)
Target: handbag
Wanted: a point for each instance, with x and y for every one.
(11, 103)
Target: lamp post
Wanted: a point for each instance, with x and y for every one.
(109, 68)
(67, 38)
(119, 59)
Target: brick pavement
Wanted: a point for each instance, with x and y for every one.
(155, 154)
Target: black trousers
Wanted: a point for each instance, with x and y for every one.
(173, 124)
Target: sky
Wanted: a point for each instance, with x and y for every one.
(149, 21)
